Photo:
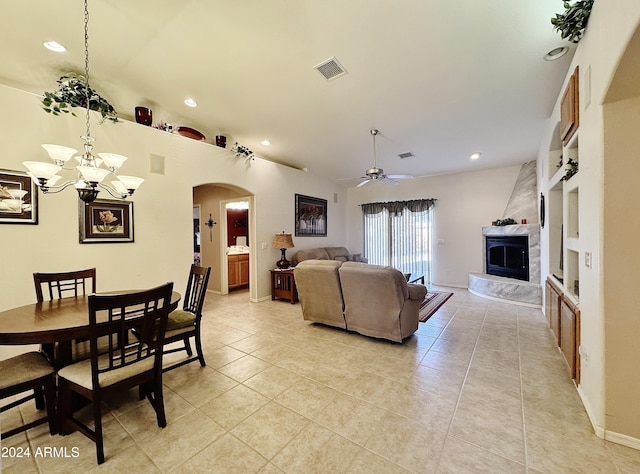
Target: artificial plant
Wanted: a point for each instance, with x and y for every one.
(72, 92)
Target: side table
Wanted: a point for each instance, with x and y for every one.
(283, 285)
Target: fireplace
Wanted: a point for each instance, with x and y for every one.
(507, 256)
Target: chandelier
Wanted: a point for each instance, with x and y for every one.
(91, 174)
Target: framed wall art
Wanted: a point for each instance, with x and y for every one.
(18, 198)
(106, 221)
(311, 216)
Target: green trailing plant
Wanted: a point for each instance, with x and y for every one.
(573, 21)
(507, 221)
(572, 168)
(71, 93)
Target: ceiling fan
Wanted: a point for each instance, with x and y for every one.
(377, 174)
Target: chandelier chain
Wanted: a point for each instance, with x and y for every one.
(86, 63)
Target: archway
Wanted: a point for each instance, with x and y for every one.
(214, 246)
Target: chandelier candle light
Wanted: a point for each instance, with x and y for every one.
(90, 172)
(283, 242)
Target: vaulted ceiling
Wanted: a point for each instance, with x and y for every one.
(439, 79)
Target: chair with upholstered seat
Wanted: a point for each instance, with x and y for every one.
(185, 323)
(125, 364)
(26, 372)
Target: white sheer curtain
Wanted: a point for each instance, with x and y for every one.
(398, 234)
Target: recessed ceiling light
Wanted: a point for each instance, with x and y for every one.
(54, 46)
(475, 156)
(190, 102)
(556, 53)
(265, 142)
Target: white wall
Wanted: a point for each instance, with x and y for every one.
(466, 202)
(610, 28)
(162, 250)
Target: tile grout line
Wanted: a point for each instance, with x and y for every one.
(464, 380)
(522, 414)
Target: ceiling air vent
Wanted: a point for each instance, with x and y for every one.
(408, 154)
(331, 69)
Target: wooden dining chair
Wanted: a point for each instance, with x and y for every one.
(23, 373)
(125, 365)
(62, 284)
(185, 323)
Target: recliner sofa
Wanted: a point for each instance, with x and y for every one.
(372, 300)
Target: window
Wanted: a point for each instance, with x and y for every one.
(398, 234)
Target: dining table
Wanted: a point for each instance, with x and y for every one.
(58, 321)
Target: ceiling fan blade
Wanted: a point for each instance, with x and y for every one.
(399, 176)
(387, 180)
(363, 183)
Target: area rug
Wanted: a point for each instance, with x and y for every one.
(432, 303)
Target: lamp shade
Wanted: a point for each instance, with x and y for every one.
(112, 161)
(130, 182)
(59, 153)
(283, 241)
(41, 170)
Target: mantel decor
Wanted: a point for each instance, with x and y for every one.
(103, 221)
(311, 216)
(18, 198)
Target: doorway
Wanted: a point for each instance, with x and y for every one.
(235, 228)
(212, 199)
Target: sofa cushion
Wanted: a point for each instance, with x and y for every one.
(338, 253)
(310, 254)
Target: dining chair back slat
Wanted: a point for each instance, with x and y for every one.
(63, 284)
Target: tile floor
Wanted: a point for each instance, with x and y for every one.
(479, 388)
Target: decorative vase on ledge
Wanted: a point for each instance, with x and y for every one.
(144, 116)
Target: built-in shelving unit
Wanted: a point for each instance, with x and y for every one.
(563, 210)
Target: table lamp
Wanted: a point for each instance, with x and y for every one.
(283, 242)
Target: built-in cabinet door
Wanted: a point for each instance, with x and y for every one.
(570, 333)
(552, 309)
(233, 274)
(243, 269)
(238, 270)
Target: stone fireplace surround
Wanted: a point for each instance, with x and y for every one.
(528, 293)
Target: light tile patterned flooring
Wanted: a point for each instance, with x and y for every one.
(479, 388)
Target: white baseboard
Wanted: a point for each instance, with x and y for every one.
(624, 440)
(600, 432)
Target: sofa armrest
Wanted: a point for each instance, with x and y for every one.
(357, 257)
(416, 291)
